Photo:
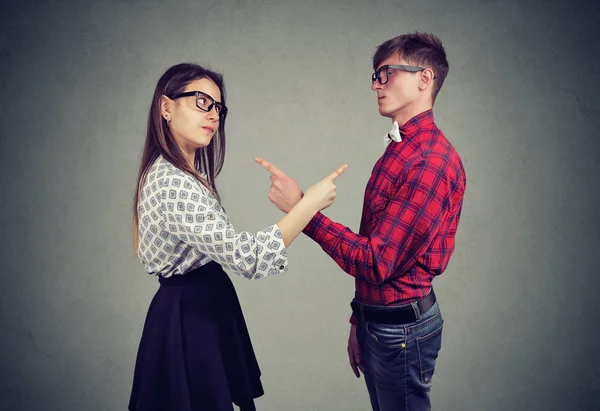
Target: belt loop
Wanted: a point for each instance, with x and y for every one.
(415, 308)
(361, 311)
(359, 306)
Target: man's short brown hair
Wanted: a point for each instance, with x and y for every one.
(419, 49)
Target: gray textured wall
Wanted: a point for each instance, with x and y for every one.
(520, 104)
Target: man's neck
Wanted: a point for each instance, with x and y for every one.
(409, 112)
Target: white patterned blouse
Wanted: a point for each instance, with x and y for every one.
(182, 226)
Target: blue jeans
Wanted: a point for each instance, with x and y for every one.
(398, 361)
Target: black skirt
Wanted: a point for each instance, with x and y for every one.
(195, 352)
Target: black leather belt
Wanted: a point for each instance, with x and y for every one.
(401, 314)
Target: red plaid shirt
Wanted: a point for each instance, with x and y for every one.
(411, 210)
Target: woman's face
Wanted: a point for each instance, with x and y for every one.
(192, 128)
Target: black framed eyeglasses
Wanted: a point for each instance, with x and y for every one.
(205, 102)
(381, 74)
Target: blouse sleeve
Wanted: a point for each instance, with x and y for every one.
(191, 213)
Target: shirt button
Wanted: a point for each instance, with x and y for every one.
(281, 267)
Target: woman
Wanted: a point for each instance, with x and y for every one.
(195, 352)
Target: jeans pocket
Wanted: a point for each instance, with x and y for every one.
(428, 348)
(389, 336)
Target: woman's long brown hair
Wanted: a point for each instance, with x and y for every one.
(159, 139)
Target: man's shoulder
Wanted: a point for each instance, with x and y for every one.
(435, 151)
(435, 143)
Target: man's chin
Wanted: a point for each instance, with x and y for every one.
(385, 113)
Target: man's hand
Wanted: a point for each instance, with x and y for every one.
(354, 352)
(285, 191)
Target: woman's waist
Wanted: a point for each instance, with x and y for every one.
(206, 274)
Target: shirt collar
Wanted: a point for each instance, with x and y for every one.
(412, 126)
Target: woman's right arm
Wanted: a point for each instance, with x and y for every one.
(184, 210)
(318, 197)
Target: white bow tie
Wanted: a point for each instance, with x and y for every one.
(393, 135)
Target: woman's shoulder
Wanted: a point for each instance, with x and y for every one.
(160, 173)
(169, 175)
(166, 168)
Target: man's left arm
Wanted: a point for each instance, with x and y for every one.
(404, 231)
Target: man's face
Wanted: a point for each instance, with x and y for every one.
(401, 90)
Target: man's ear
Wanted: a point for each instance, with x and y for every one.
(426, 79)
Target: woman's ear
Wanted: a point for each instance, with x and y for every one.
(165, 108)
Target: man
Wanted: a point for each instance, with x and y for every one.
(411, 210)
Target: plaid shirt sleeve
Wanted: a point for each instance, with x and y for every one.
(404, 231)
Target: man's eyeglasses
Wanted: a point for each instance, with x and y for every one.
(381, 75)
(205, 102)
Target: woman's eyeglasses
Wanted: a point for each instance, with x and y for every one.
(205, 102)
